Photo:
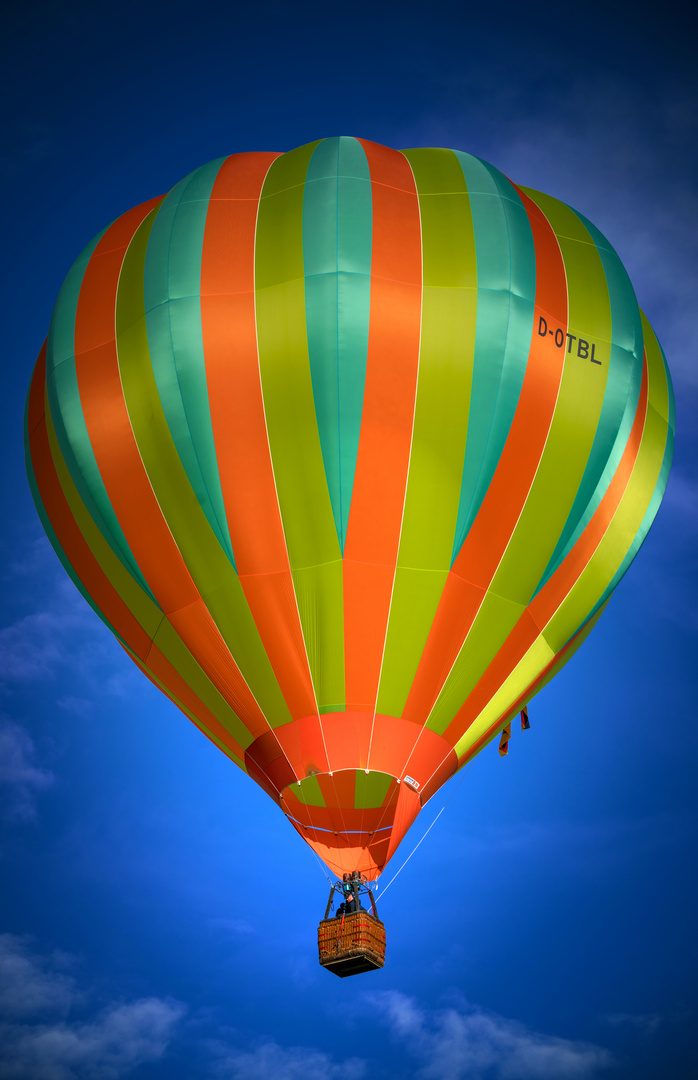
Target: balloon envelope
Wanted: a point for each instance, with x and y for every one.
(349, 448)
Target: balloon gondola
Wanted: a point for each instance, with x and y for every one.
(351, 937)
(349, 448)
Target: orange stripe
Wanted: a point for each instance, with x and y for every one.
(94, 324)
(482, 550)
(177, 690)
(542, 608)
(380, 480)
(125, 478)
(239, 427)
(548, 600)
(109, 427)
(408, 806)
(37, 391)
(487, 540)
(137, 643)
(512, 651)
(527, 694)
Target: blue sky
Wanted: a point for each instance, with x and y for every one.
(157, 914)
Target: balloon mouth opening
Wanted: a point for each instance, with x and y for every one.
(350, 817)
(351, 783)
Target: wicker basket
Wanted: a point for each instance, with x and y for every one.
(351, 944)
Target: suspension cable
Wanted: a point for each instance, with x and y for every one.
(322, 868)
(383, 891)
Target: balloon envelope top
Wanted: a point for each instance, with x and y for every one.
(349, 448)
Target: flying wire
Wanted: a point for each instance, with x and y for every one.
(384, 891)
(322, 868)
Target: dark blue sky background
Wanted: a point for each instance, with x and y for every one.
(157, 912)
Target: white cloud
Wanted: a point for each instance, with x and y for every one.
(56, 629)
(646, 1023)
(455, 1043)
(20, 778)
(235, 928)
(283, 1063)
(78, 706)
(39, 1042)
(681, 500)
(31, 556)
(32, 647)
(64, 636)
(117, 1041)
(616, 153)
(26, 986)
(666, 585)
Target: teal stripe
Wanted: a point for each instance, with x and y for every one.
(506, 278)
(659, 490)
(172, 289)
(619, 404)
(337, 240)
(672, 409)
(69, 420)
(48, 527)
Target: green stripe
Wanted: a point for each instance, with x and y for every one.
(620, 401)
(597, 580)
(506, 276)
(173, 306)
(146, 612)
(415, 599)
(662, 403)
(68, 417)
(635, 512)
(557, 480)
(196, 720)
(533, 658)
(319, 599)
(497, 617)
(308, 792)
(371, 789)
(576, 416)
(659, 389)
(579, 639)
(495, 620)
(440, 421)
(337, 239)
(208, 563)
(296, 452)
(168, 641)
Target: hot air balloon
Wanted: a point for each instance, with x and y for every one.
(349, 448)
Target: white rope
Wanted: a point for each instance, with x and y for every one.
(322, 868)
(384, 891)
